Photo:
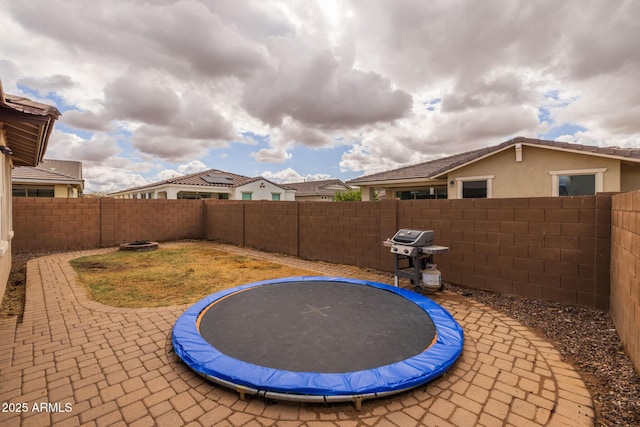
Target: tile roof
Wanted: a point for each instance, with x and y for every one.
(209, 178)
(27, 125)
(198, 178)
(31, 173)
(67, 167)
(420, 170)
(52, 171)
(433, 169)
(307, 188)
(25, 105)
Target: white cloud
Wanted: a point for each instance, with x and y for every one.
(158, 84)
(148, 102)
(69, 146)
(317, 88)
(106, 179)
(597, 106)
(290, 175)
(47, 84)
(172, 36)
(272, 155)
(192, 167)
(87, 120)
(168, 174)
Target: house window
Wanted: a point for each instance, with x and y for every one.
(474, 190)
(577, 182)
(430, 193)
(576, 185)
(223, 196)
(193, 196)
(275, 196)
(246, 196)
(22, 191)
(475, 187)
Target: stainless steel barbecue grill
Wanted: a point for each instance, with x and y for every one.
(409, 242)
(417, 249)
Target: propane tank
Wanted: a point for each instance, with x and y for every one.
(431, 278)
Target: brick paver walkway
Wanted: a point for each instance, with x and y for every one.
(72, 361)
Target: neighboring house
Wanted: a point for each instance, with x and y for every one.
(25, 127)
(51, 178)
(521, 167)
(318, 191)
(210, 184)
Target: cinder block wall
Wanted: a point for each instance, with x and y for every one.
(48, 224)
(156, 220)
(225, 221)
(345, 232)
(271, 226)
(551, 248)
(625, 271)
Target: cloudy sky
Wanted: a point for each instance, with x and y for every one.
(295, 90)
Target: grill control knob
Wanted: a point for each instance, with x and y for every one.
(406, 251)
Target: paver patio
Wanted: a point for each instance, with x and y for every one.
(72, 361)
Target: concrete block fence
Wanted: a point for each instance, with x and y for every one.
(552, 248)
(575, 250)
(625, 271)
(47, 224)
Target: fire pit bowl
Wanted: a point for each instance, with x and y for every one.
(138, 246)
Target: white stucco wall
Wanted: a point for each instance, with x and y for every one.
(6, 231)
(260, 190)
(263, 190)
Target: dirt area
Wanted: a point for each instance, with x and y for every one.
(586, 338)
(13, 301)
(171, 275)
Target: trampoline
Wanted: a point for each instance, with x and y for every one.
(323, 339)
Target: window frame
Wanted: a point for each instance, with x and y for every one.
(556, 174)
(426, 193)
(462, 179)
(33, 190)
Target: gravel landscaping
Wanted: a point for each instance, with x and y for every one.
(587, 339)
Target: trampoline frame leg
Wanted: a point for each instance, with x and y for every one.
(242, 391)
(357, 400)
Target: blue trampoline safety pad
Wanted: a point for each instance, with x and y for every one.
(428, 364)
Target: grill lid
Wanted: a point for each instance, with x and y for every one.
(413, 237)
